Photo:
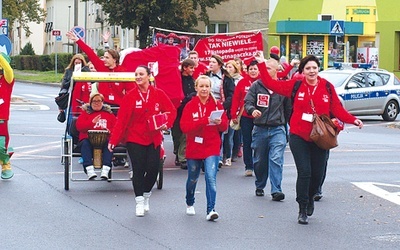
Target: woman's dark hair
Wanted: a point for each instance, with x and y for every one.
(307, 59)
(146, 68)
(252, 63)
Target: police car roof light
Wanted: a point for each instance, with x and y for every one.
(339, 65)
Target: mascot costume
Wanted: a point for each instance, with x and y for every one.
(6, 86)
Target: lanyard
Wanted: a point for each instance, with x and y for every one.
(201, 111)
(147, 96)
(311, 94)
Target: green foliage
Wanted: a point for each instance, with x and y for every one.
(170, 14)
(23, 12)
(27, 49)
(42, 62)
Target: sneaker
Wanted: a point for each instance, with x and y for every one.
(126, 165)
(212, 216)
(190, 210)
(183, 165)
(6, 171)
(104, 172)
(259, 192)
(278, 196)
(228, 162)
(220, 163)
(90, 172)
(248, 172)
(80, 161)
(318, 196)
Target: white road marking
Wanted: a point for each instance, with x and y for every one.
(373, 188)
(35, 96)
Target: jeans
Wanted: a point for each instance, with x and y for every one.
(237, 141)
(146, 163)
(227, 143)
(310, 163)
(87, 154)
(269, 145)
(247, 125)
(210, 174)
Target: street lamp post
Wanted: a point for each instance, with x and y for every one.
(69, 21)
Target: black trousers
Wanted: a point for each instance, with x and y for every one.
(145, 163)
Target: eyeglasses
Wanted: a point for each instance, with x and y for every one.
(97, 101)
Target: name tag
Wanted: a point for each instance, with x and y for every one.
(198, 139)
(307, 117)
(111, 97)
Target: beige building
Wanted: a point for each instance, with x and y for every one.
(231, 16)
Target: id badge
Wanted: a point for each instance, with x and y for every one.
(198, 139)
(111, 97)
(307, 117)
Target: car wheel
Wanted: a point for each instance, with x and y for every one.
(391, 111)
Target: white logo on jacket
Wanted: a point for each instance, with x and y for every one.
(195, 115)
(139, 104)
(325, 98)
(102, 123)
(300, 96)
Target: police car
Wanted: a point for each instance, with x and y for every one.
(365, 91)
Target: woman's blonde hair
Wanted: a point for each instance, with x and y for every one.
(71, 64)
(235, 65)
(205, 77)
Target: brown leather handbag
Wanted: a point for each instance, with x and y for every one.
(324, 132)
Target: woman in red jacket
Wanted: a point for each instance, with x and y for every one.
(246, 121)
(310, 160)
(95, 116)
(113, 92)
(136, 126)
(203, 135)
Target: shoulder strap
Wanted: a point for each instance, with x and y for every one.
(294, 90)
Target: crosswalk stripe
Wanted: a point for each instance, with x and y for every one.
(34, 96)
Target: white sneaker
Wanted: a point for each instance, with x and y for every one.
(104, 172)
(248, 172)
(90, 172)
(228, 162)
(211, 216)
(146, 201)
(139, 206)
(190, 210)
(130, 174)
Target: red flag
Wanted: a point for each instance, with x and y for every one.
(168, 77)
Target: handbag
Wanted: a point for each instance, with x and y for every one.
(324, 132)
(236, 126)
(61, 117)
(62, 100)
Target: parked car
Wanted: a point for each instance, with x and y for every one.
(365, 91)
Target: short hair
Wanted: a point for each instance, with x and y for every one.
(306, 59)
(193, 52)
(186, 63)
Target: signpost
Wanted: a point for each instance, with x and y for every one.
(4, 26)
(57, 36)
(337, 30)
(79, 32)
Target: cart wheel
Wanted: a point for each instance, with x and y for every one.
(160, 175)
(67, 164)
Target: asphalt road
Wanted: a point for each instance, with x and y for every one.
(360, 208)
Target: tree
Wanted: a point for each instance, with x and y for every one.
(23, 11)
(27, 50)
(170, 14)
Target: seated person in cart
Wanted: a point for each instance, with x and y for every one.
(96, 117)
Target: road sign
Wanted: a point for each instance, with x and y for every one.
(5, 44)
(4, 26)
(337, 28)
(56, 32)
(79, 31)
(58, 38)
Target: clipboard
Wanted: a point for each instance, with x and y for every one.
(216, 114)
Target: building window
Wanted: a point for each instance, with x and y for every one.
(217, 28)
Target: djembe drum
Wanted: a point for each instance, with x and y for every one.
(98, 138)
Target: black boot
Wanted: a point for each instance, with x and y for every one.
(302, 219)
(310, 207)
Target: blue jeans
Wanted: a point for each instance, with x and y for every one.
(87, 154)
(210, 172)
(227, 143)
(310, 163)
(247, 125)
(269, 147)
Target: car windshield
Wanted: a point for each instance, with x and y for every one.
(336, 78)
